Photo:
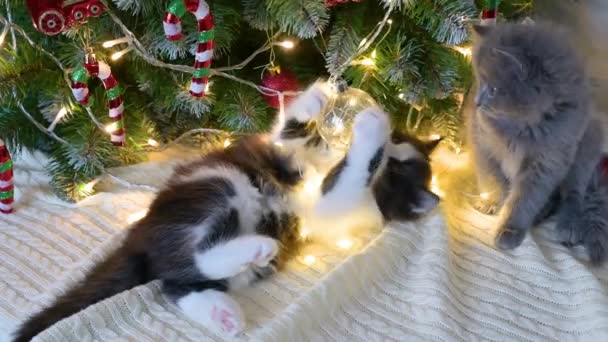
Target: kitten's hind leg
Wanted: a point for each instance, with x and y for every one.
(207, 304)
(227, 259)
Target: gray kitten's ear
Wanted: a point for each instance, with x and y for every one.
(482, 30)
(520, 67)
(427, 201)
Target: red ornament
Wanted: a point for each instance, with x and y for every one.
(332, 3)
(52, 17)
(281, 80)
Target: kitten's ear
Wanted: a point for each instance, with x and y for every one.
(520, 67)
(482, 30)
(426, 202)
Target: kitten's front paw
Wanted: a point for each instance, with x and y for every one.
(227, 320)
(510, 238)
(309, 105)
(372, 127)
(215, 310)
(568, 227)
(486, 206)
(266, 250)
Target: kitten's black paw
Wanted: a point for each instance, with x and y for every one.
(510, 238)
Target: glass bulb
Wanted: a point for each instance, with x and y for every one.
(309, 260)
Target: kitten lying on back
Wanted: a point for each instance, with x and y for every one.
(534, 138)
(229, 218)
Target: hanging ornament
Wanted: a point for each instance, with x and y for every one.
(53, 17)
(489, 12)
(204, 49)
(6, 180)
(332, 3)
(279, 79)
(99, 69)
(339, 115)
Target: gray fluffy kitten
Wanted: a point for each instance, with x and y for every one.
(535, 141)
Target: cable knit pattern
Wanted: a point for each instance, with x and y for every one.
(435, 279)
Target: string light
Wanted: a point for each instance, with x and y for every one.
(458, 150)
(227, 143)
(304, 232)
(111, 128)
(484, 195)
(374, 54)
(117, 55)
(152, 142)
(401, 96)
(368, 62)
(278, 144)
(390, 21)
(111, 43)
(136, 216)
(287, 44)
(465, 51)
(3, 35)
(434, 136)
(309, 260)
(352, 102)
(344, 243)
(90, 185)
(313, 183)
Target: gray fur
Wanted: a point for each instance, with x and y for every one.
(533, 136)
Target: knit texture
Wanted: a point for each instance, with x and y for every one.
(435, 279)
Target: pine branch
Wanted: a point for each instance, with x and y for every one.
(256, 13)
(306, 19)
(445, 20)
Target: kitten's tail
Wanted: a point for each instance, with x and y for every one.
(595, 220)
(118, 272)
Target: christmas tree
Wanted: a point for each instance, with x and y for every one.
(412, 56)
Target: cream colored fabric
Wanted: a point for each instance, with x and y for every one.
(413, 281)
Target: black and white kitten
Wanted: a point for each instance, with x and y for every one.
(233, 217)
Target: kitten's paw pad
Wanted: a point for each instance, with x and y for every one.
(266, 250)
(486, 206)
(372, 125)
(227, 320)
(510, 238)
(310, 104)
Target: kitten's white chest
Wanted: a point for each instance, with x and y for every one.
(511, 161)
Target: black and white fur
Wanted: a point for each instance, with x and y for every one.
(231, 217)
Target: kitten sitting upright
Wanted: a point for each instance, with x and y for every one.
(229, 218)
(535, 140)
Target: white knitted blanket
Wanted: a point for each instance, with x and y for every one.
(425, 280)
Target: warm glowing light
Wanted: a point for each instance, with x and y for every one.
(287, 44)
(352, 102)
(465, 51)
(367, 62)
(136, 216)
(374, 54)
(309, 260)
(434, 180)
(344, 243)
(458, 150)
(436, 190)
(207, 86)
(62, 112)
(278, 144)
(152, 142)
(304, 232)
(434, 136)
(3, 34)
(117, 55)
(114, 42)
(227, 143)
(313, 183)
(111, 127)
(390, 21)
(401, 96)
(89, 186)
(484, 195)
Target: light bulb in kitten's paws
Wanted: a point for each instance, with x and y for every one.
(336, 123)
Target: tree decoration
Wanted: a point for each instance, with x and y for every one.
(279, 79)
(204, 50)
(99, 69)
(332, 3)
(339, 115)
(54, 17)
(6, 180)
(489, 12)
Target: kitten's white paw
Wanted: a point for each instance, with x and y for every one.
(265, 251)
(309, 105)
(371, 127)
(215, 310)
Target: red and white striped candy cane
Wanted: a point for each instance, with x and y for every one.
(94, 68)
(6, 180)
(489, 12)
(204, 49)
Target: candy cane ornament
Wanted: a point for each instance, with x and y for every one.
(204, 50)
(490, 12)
(6, 180)
(99, 69)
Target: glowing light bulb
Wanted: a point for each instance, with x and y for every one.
(111, 127)
(309, 260)
(374, 54)
(304, 232)
(152, 142)
(227, 143)
(465, 51)
(434, 180)
(352, 102)
(344, 243)
(484, 195)
(458, 150)
(287, 44)
(434, 136)
(89, 186)
(390, 21)
(117, 55)
(110, 43)
(367, 62)
(62, 112)
(278, 144)
(3, 34)
(136, 216)
(401, 96)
